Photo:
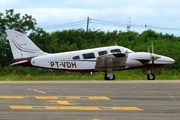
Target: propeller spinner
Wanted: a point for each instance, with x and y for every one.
(152, 55)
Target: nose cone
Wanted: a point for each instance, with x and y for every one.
(165, 60)
(170, 60)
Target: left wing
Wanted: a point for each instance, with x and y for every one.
(114, 61)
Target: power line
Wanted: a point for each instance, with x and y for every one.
(164, 28)
(64, 24)
(107, 23)
(132, 25)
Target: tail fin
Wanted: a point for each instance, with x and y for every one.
(22, 46)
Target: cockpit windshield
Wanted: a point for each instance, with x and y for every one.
(126, 50)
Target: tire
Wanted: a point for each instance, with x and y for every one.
(107, 78)
(151, 77)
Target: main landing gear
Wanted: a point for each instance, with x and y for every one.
(109, 76)
(150, 76)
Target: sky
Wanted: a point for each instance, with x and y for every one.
(162, 16)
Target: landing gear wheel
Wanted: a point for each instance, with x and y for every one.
(151, 76)
(107, 78)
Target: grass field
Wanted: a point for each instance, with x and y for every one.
(137, 74)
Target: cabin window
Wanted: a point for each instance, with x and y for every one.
(102, 52)
(88, 56)
(76, 57)
(115, 50)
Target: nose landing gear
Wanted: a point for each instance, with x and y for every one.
(150, 76)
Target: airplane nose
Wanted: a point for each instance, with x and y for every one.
(172, 60)
(169, 60)
(165, 60)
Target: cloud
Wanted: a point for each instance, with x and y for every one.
(3, 2)
(139, 14)
(55, 15)
(151, 12)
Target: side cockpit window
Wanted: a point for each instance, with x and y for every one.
(76, 57)
(88, 56)
(102, 52)
(115, 50)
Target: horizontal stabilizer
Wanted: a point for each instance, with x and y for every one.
(20, 62)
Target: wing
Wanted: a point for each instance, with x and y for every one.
(116, 61)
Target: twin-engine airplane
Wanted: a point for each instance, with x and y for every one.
(104, 59)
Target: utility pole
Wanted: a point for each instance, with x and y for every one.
(128, 25)
(87, 24)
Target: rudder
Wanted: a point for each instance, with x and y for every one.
(22, 46)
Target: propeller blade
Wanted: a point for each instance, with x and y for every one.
(152, 55)
(152, 49)
(152, 60)
(148, 50)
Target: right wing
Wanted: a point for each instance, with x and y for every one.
(116, 61)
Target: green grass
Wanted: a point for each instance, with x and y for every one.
(120, 75)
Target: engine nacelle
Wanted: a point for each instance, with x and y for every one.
(138, 59)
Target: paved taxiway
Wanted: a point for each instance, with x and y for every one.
(90, 100)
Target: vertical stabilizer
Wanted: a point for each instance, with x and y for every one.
(22, 46)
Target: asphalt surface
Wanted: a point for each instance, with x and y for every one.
(90, 100)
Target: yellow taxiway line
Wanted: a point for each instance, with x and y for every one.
(73, 107)
(39, 91)
(11, 97)
(57, 97)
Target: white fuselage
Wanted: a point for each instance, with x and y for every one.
(79, 61)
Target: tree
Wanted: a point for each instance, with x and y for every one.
(10, 20)
(5, 53)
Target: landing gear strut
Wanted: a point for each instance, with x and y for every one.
(106, 77)
(150, 76)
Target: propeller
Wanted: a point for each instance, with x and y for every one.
(152, 55)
